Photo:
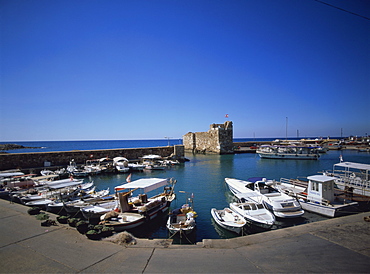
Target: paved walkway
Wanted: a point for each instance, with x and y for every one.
(336, 245)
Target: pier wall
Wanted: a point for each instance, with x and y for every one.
(62, 158)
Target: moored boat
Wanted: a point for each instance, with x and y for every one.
(153, 162)
(252, 208)
(93, 211)
(76, 205)
(121, 164)
(182, 220)
(352, 178)
(288, 152)
(135, 211)
(282, 205)
(229, 219)
(319, 196)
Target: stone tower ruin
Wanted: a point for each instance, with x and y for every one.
(218, 139)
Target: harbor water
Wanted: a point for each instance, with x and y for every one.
(203, 177)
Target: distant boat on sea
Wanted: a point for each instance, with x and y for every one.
(291, 151)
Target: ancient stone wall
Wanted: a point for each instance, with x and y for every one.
(218, 139)
(62, 158)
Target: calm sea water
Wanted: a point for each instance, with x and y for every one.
(46, 146)
(204, 176)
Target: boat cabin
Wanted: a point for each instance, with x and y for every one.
(260, 184)
(320, 188)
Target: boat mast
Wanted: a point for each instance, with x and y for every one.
(286, 128)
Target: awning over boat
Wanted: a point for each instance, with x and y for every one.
(353, 165)
(320, 178)
(152, 156)
(147, 184)
(117, 159)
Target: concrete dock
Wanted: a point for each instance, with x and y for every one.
(335, 245)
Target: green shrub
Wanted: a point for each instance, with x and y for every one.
(42, 216)
(92, 232)
(73, 221)
(98, 227)
(62, 219)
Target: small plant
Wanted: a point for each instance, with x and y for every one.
(92, 234)
(107, 231)
(73, 221)
(98, 227)
(82, 223)
(62, 219)
(82, 227)
(42, 216)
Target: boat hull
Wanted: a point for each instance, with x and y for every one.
(288, 156)
(179, 226)
(233, 226)
(330, 211)
(263, 218)
(126, 221)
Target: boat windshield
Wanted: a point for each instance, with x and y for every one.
(264, 189)
(250, 206)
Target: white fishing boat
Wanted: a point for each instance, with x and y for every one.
(76, 171)
(182, 220)
(10, 173)
(93, 211)
(121, 164)
(252, 208)
(169, 162)
(282, 205)
(24, 181)
(57, 173)
(82, 199)
(135, 211)
(106, 165)
(229, 219)
(153, 162)
(76, 205)
(319, 196)
(288, 152)
(123, 221)
(136, 166)
(44, 179)
(58, 191)
(93, 166)
(353, 179)
(39, 203)
(62, 183)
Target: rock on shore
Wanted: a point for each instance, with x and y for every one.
(12, 146)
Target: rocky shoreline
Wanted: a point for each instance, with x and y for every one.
(12, 147)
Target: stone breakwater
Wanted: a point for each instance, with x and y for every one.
(12, 147)
(62, 158)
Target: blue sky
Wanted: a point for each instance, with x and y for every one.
(91, 70)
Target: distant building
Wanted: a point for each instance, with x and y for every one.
(218, 139)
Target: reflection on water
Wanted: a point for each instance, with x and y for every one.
(204, 176)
